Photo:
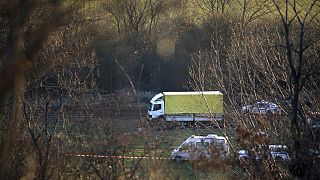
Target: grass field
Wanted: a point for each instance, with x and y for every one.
(157, 144)
(119, 135)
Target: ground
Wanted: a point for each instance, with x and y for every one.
(147, 147)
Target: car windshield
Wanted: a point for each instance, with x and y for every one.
(315, 121)
(278, 149)
(202, 145)
(220, 141)
(263, 105)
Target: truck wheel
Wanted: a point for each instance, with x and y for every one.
(162, 123)
(161, 119)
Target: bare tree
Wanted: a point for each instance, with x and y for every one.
(33, 54)
(134, 17)
(22, 43)
(297, 15)
(50, 93)
(252, 10)
(213, 6)
(254, 66)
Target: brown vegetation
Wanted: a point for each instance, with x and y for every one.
(58, 57)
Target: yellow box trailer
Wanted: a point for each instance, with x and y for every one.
(187, 106)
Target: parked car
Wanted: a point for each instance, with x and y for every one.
(261, 107)
(196, 147)
(243, 154)
(315, 154)
(276, 152)
(314, 120)
(279, 152)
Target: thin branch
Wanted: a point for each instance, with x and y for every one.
(128, 77)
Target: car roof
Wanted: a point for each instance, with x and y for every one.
(194, 138)
(277, 146)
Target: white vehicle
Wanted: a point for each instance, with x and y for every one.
(276, 152)
(314, 120)
(243, 153)
(262, 107)
(279, 152)
(315, 153)
(187, 106)
(195, 147)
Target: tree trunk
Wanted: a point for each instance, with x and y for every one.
(13, 131)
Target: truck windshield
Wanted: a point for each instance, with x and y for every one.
(156, 107)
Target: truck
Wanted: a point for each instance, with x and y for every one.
(208, 147)
(187, 106)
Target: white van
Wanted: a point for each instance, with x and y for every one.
(195, 147)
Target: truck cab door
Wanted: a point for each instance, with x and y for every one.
(158, 110)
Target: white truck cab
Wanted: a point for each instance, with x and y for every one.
(195, 147)
(156, 107)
